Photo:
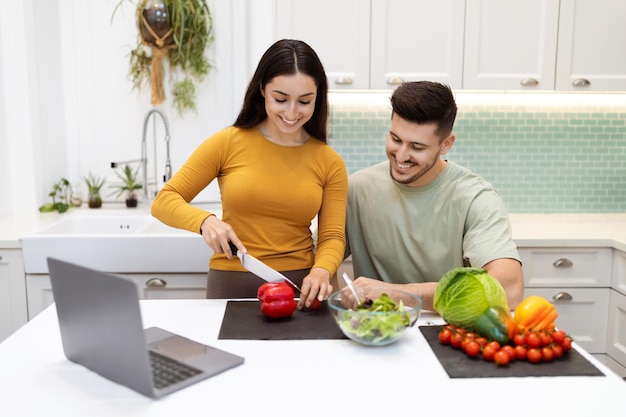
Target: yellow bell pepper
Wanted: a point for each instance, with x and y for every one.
(536, 313)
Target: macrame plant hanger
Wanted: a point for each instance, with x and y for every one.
(159, 38)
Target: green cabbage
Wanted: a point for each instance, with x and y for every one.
(463, 294)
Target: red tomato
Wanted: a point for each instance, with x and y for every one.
(558, 336)
(489, 352)
(545, 338)
(501, 358)
(495, 345)
(472, 349)
(519, 339)
(456, 340)
(509, 350)
(482, 341)
(547, 354)
(520, 352)
(557, 350)
(315, 305)
(534, 355)
(445, 335)
(533, 340)
(567, 344)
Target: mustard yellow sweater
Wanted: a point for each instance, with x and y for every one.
(270, 194)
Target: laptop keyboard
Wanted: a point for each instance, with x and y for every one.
(167, 371)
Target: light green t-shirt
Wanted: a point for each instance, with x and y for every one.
(407, 234)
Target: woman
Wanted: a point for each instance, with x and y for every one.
(276, 173)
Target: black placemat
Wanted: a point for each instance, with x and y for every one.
(458, 365)
(244, 320)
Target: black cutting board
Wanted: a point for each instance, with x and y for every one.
(244, 320)
(458, 365)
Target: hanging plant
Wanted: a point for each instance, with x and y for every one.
(178, 31)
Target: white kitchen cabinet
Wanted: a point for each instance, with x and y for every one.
(577, 281)
(170, 286)
(377, 44)
(591, 52)
(150, 286)
(13, 312)
(618, 274)
(616, 335)
(510, 44)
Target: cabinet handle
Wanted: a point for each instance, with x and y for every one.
(344, 80)
(563, 296)
(0, 258)
(156, 283)
(395, 80)
(529, 82)
(563, 263)
(581, 82)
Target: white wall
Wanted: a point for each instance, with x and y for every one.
(67, 106)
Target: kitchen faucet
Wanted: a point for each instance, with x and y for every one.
(144, 151)
(144, 154)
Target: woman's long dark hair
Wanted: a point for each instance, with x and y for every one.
(286, 57)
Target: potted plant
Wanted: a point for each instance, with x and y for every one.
(94, 184)
(129, 184)
(179, 31)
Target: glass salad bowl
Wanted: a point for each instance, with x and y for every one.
(377, 322)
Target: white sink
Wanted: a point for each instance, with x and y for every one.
(116, 241)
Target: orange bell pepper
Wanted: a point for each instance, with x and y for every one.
(536, 313)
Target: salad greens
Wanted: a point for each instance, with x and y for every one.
(376, 328)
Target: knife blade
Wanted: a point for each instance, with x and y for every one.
(260, 269)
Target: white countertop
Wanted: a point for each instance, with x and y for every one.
(570, 229)
(280, 378)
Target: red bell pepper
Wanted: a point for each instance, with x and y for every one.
(277, 299)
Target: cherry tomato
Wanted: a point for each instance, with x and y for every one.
(315, 305)
(545, 338)
(520, 352)
(472, 349)
(519, 339)
(445, 335)
(501, 358)
(557, 350)
(456, 340)
(567, 344)
(533, 340)
(558, 336)
(534, 355)
(495, 345)
(489, 352)
(509, 350)
(482, 341)
(547, 354)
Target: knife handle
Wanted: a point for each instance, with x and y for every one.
(233, 248)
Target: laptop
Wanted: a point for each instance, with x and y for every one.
(101, 329)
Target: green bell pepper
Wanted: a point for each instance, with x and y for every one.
(495, 323)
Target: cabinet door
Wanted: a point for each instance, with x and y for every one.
(416, 40)
(170, 286)
(618, 273)
(591, 50)
(616, 339)
(566, 267)
(583, 314)
(339, 31)
(39, 290)
(13, 313)
(510, 44)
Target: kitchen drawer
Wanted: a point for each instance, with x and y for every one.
(583, 313)
(566, 267)
(170, 286)
(616, 336)
(618, 274)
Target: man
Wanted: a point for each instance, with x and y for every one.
(416, 216)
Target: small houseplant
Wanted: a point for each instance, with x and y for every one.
(178, 31)
(94, 184)
(129, 183)
(61, 195)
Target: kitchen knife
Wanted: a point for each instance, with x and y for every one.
(260, 269)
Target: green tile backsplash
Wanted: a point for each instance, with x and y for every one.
(542, 158)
